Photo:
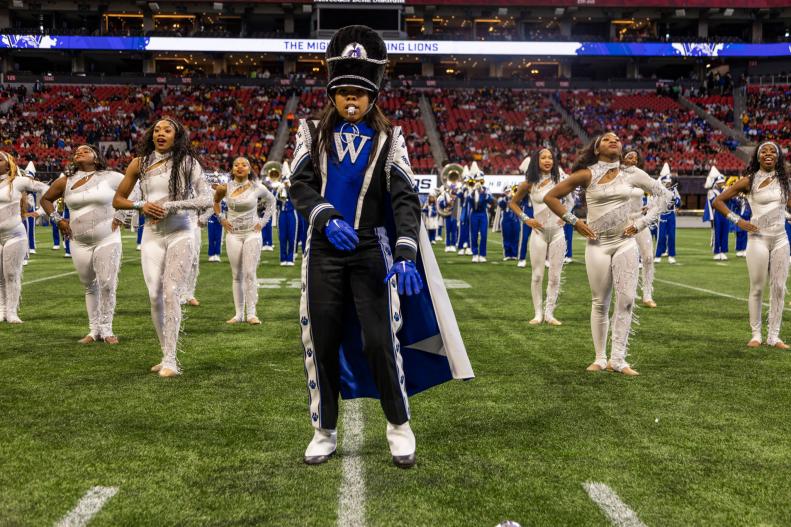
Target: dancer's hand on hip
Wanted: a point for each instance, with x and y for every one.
(582, 228)
(747, 226)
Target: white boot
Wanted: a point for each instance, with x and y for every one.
(522, 263)
(321, 447)
(402, 444)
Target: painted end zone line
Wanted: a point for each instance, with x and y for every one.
(89, 505)
(709, 291)
(351, 497)
(53, 277)
(611, 505)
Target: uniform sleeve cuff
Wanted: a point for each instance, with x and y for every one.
(321, 214)
(405, 248)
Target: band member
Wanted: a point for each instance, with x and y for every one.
(510, 224)
(172, 188)
(721, 226)
(611, 254)
(547, 241)
(243, 241)
(431, 218)
(713, 186)
(88, 189)
(768, 188)
(272, 181)
(448, 204)
(286, 214)
(63, 210)
(741, 206)
(463, 243)
(350, 169)
(478, 201)
(213, 224)
(568, 235)
(13, 239)
(666, 237)
(30, 219)
(645, 244)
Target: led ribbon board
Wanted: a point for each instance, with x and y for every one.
(400, 47)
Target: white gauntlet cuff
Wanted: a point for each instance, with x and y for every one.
(570, 218)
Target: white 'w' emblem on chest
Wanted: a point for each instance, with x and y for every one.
(344, 144)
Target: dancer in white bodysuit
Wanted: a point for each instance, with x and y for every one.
(88, 191)
(645, 244)
(768, 189)
(547, 241)
(172, 186)
(13, 236)
(611, 253)
(243, 239)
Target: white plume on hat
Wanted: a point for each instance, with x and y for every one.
(30, 169)
(524, 165)
(466, 172)
(713, 177)
(286, 169)
(474, 170)
(665, 170)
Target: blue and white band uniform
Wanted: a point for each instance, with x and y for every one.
(410, 344)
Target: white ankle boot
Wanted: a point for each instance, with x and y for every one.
(322, 446)
(402, 444)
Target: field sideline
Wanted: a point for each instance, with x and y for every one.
(698, 439)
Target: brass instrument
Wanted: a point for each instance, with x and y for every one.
(450, 174)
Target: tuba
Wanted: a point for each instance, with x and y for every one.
(450, 175)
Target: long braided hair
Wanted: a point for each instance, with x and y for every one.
(780, 168)
(183, 155)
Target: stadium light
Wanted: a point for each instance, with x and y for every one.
(728, 12)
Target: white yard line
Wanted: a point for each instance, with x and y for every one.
(61, 275)
(708, 291)
(611, 505)
(88, 507)
(351, 498)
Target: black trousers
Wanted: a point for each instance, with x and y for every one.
(332, 281)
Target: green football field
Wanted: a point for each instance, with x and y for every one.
(700, 438)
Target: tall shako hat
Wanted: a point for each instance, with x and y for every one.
(356, 57)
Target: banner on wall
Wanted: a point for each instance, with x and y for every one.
(401, 47)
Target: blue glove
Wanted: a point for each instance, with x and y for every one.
(341, 235)
(409, 280)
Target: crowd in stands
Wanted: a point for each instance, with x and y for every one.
(767, 115)
(660, 128)
(495, 127)
(225, 121)
(498, 128)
